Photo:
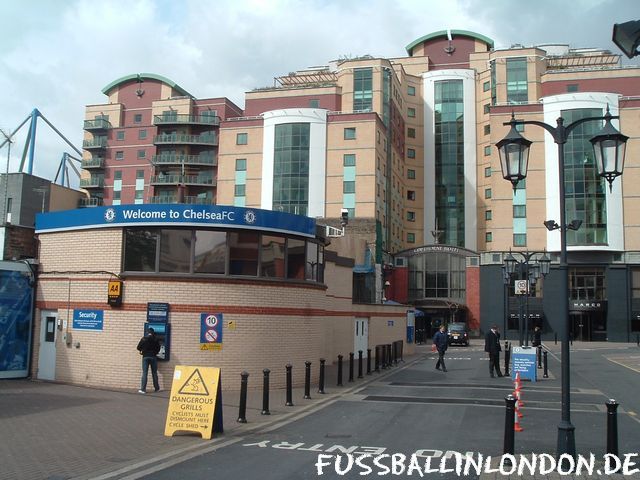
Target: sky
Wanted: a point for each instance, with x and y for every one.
(57, 55)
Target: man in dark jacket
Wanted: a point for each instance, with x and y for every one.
(492, 346)
(441, 341)
(149, 346)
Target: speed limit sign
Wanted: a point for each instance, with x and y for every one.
(521, 287)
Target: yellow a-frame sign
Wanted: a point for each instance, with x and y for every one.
(195, 404)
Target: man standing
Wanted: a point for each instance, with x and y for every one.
(492, 346)
(441, 341)
(149, 346)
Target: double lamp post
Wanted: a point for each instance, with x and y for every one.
(609, 148)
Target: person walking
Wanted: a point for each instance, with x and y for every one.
(441, 341)
(492, 346)
(537, 337)
(149, 346)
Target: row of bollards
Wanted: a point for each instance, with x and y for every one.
(386, 356)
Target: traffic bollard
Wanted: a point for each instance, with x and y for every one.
(539, 355)
(638, 339)
(509, 435)
(289, 402)
(383, 353)
(395, 349)
(242, 411)
(351, 366)
(368, 361)
(389, 361)
(307, 379)
(339, 370)
(571, 337)
(359, 363)
(377, 360)
(546, 370)
(402, 351)
(612, 427)
(265, 392)
(321, 379)
(507, 358)
(555, 338)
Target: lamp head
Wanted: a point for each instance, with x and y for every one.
(551, 225)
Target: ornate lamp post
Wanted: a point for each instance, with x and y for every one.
(609, 148)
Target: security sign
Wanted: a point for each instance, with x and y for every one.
(211, 331)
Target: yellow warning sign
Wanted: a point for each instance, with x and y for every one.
(210, 346)
(195, 404)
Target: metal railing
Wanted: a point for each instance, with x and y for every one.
(93, 163)
(165, 159)
(174, 138)
(182, 179)
(97, 124)
(90, 202)
(93, 182)
(96, 142)
(173, 119)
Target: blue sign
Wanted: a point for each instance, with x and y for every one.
(88, 319)
(211, 328)
(175, 215)
(523, 361)
(157, 312)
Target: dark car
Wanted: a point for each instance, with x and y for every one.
(458, 334)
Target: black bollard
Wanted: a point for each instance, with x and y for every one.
(377, 362)
(402, 351)
(546, 370)
(395, 349)
(307, 379)
(351, 366)
(339, 370)
(265, 392)
(571, 337)
(321, 379)
(289, 402)
(539, 354)
(359, 363)
(389, 360)
(638, 339)
(383, 356)
(242, 411)
(507, 358)
(368, 361)
(555, 338)
(509, 418)
(612, 427)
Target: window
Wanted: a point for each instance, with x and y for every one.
(349, 187)
(519, 211)
(487, 129)
(411, 90)
(139, 195)
(488, 237)
(139, 174)
(411, 174)
(142, 134)
(519, 239)
(314, 103)
(272, 256)
(411, 216)
(517, 80)
(140, 249)
(210, 252)
(411, 153)
(487, 193)
(487, 171)
(291, 168)
(486, 108)
(411, 237)
(350, 133)
(243, 253)
(349, 160)
(487, 150)
(241, 138)
(486, 86)
(488, 214)
(116, 194)
(119, 155)
(117, 175)
(120, 135)
(362, 89)
(142, 153)
(411, 195)
(411, 132)
(240, 190)
(137, 118)
(572, 87)
(241, 164)
(295, 258)
(411, 112)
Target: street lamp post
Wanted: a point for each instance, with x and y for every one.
(609, 148)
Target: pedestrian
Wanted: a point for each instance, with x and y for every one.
(492, 346)
(537, 337)
(441, 341)
(149, 346)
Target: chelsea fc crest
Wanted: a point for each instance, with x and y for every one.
(250, 217)
(110, 215)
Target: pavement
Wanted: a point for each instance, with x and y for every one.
(55, 431)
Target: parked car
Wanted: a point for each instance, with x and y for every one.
(458, 334)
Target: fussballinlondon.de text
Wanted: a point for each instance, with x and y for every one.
(477, 464)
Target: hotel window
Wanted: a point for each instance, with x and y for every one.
(411, 132)
(349, 187)
(142, 134)
(488, 214)
(487, 171)
(314, 103)
(411, 153)
(120, 135)
(119, 155)
(411, 216)
(487, 193)
(486, 86)
(411, 112)
(411, 237)
(488, 237)
(487, 129)
(411, 195)
(241, 164)
(519, 239)
(350, 133)
(240, 190)
(411, 174)
(487, 150)
(362, 89)
(517, 80)
(241, 138)
(291, 168)
(519, 211)
(411, 91)
(137, 118)
(349, 160)
(486, 108)
(142, 153)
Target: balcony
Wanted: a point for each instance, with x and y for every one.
(90, 202)
(98, 124)
(182, 180)
(91, 163)
(198, 200)
(163, 199)
(93, 182)
(175, 119)
(209, 139)
(95, 143)
(208, 160)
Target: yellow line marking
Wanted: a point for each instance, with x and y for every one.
(625, 366)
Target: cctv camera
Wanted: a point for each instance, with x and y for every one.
(344, 217)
